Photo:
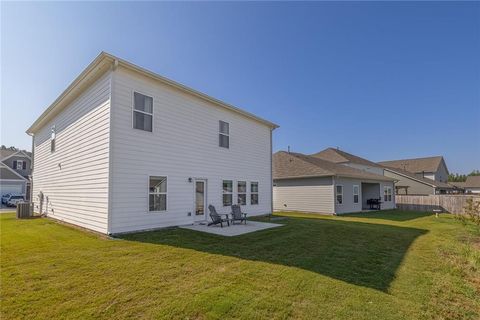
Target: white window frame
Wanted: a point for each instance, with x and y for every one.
(18, 162)
(53, 139)
(356, 194)
(387, 194)
(239, 193)
(336, 194)
(223, 134)
(147, 113)
(226, 192)
(149, 193)
(251, 193)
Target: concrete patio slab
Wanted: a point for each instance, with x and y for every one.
(233, 230)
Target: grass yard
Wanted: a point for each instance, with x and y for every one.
(389, 265)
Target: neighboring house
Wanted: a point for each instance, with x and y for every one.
(472, 185)
(341, 157)
(412, 184)
(15, 169)
(311, 184)
(123, 149)
(433, 168)
(458, 187)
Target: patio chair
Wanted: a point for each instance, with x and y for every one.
(216, 218)
(238, 215)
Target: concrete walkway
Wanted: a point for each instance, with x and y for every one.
(233, 230)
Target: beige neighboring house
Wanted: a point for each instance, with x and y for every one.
(433, 168)
(472, 185)
(412, 184)
(311, 184)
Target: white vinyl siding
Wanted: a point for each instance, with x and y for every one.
(75, 177)
(306, 195)
(184, 144)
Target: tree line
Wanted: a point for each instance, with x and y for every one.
(455, 177)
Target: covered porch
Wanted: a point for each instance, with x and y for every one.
(370, 191)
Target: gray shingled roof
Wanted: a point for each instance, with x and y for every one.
(472, 182)
(339, 156)
(296, 165)
(429, 164)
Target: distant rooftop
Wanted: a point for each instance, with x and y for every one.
(417, 165)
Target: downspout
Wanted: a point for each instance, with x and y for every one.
(31, 167)
(271, 173)
(110, 148)
(334, 196)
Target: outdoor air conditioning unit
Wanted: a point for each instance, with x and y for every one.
(24, 210)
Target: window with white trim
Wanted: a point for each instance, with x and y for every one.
(53, 136)
(339, 195)
(142, 112)
(242, 193)
(227, 192)
(356, 193)
(387, 193)
(224, 134)
(19, 164)
(253, 193)
(157, 193)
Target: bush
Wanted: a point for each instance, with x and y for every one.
(472, 212)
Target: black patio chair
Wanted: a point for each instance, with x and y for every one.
(238, 215)
(216, 218)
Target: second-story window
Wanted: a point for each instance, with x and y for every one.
(52, 140)
(19, 165)
(142, 112)
(224, 134)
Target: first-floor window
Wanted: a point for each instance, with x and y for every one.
(356, 191)
(339, 194)
(253, 192)
(227, 192)
(387, 194)
(242, 192)
(157, 197)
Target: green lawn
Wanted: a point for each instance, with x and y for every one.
(389, 265)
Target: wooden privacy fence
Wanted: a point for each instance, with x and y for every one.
(445, 203)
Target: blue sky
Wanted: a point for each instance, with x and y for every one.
(381, 80)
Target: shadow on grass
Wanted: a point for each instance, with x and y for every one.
(358, 253)
(392, 215)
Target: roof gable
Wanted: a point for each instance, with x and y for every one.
(339, 156)
(7, 173)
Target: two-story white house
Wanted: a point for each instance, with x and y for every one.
(123, 149)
